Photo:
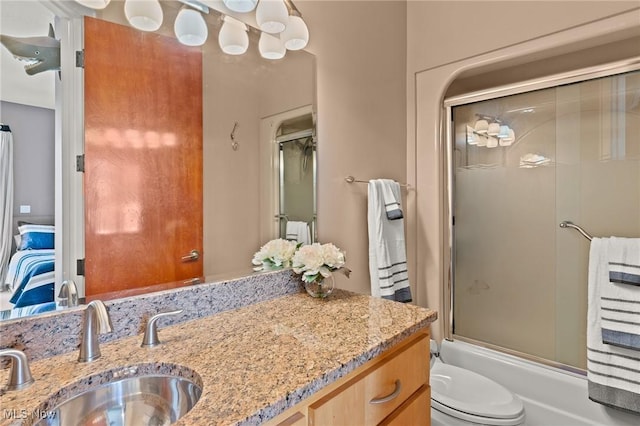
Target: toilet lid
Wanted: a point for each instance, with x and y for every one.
(471, 393)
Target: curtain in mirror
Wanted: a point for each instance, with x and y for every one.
(6, 207)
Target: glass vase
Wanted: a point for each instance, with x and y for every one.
(321, 287)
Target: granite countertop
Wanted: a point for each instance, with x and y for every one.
(253, 362)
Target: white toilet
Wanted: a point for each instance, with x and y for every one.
(463, 397)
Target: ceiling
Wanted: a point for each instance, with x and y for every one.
(25, 19)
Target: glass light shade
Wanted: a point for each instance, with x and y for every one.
(482, 140)
(94, 4)
(241, 6)
(145, 15)
(481, 126)
(504, 131)
(272, 16)
(509, 139)
(296, 35)
(271, 47)
(233, 38)
(472, 138)
(492, 142)
(190, 27)
(494, 129)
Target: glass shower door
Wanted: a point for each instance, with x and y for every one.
(298, 187)
(521, 165)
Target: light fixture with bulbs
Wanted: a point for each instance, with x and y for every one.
(233, 38)
(280, 22)
(190, 27)
(489, 132)
(94, 4)
(271, 47)
(145, 15)
(241, 6)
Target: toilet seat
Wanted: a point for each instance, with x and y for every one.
(472, 397)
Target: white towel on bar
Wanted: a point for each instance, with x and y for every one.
(613, 373)
(392, 201)
(387, 252)
(620, 298)
(298, 231)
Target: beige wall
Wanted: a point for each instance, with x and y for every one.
(361, 59)
(241, 89)
(445, 39)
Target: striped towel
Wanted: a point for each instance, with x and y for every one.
(387, 252)
(391, 201)
(620, 304)
(298, 231)
(613, 373)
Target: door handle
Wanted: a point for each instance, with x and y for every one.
(192, 256)
(192, 281)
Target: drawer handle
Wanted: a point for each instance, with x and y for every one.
(389, 397)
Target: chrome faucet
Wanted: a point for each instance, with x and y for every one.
(151, 331)
(20, 374)
(96, 321)
(68, 294)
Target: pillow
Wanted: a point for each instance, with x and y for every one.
(36, 237)
(17, 238)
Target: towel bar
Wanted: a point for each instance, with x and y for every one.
(351, 179)
(568, 224)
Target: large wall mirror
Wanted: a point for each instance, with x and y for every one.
(257, 157)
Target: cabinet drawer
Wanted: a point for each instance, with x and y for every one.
(296, 419)
(416, 411)
(375, 393)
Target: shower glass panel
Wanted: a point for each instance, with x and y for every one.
(297, 186)
(519, 280)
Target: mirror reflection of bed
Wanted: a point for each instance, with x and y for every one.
(27, 112)
(28, 279)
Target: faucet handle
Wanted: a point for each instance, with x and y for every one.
(20, 373)
(151, 332)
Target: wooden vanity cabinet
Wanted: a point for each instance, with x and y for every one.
(391, 389)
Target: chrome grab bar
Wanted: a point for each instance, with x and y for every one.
(568, 224)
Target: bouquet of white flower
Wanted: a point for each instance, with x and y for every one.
(274, 254)
(316, 261)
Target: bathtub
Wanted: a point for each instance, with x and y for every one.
(551, 397)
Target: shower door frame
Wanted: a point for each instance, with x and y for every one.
(447, 134)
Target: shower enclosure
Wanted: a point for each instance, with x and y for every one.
(519, 165)
(297, 182)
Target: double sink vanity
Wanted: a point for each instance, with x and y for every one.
(249, 351)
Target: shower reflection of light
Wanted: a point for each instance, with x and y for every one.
(152, 140)
(472, 138)
(113, 138)
(169, 139)
(134, 138)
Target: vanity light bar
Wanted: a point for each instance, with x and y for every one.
(196, 5)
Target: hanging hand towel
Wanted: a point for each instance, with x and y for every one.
(620, 298)
(298, 231)
(387, 253)
(391, 200)
(613, 373)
